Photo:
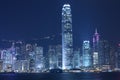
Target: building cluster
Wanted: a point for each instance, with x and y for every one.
(95, 55)
(22, 58)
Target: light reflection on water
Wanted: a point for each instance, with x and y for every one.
(61, 76)
(82, 76)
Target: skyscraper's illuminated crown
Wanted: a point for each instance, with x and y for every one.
(66, 5)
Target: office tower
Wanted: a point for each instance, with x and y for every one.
(67, 38)
(76, 58)
(55, 56)
(59, 56)
(95, 59)
(9, 57)
(117, 61)
(30, 55)
(52, 57)
(86, 54)
(22, 62)
(95, 49)
(39, 59)
(32, 61)
(46, 60)
(13, 52)
(112, 56)
(104, 57)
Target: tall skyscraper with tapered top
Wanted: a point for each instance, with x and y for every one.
(67, 37)
(96, 54)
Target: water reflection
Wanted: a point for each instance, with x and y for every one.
(61, 76)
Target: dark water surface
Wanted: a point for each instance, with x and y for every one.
(61, 76)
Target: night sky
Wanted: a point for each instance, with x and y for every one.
(28, 19)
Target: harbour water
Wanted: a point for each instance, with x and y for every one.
(61, 76)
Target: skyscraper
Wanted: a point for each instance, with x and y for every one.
(59, 56)
(55, 57)
(104, 53)
(9, 57)
(67, 38)
(117, 56)
(39, 59)
(52, 57)
(86, 54)
(76, 58)
(96, 49)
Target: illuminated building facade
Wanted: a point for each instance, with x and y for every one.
(95, 59)
(22, 66)
(117, 61)
(32, 61)
(39, 59)
(95, 48)
(67, 37)
(59, 56)
(52, 57)
(55, 57)
(76, 59)
(104, 56)
(86, 54)
(112, 56)
(9, 57)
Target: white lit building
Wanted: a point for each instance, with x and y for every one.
(87, 61)
(67, 37)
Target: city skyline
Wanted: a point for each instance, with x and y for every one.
(96, 55)
(33, 19)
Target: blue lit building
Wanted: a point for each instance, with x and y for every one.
(117, 56)
(9, 57)
(76, 59)
(55, 57)
(39, 59)
(59, 56)
(67, 37)
(86, 54)
(52, 57)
